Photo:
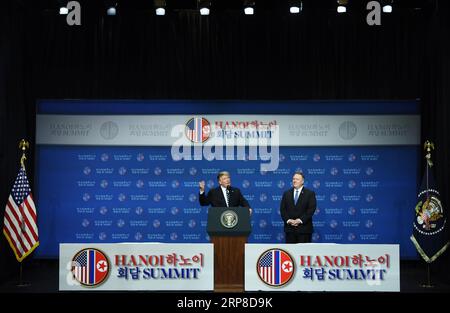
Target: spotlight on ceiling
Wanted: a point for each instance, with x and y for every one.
(160, 7)
(204, 6)
(249, 7)
(342, 6)
(295, 6)
(63, 11)
(111, 8)
(387, 6)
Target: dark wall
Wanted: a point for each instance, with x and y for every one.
(227, 55)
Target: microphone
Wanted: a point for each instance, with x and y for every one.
(229, 188)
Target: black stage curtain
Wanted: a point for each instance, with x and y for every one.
(136, 55)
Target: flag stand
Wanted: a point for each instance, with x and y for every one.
(21, 283)
(428, 283)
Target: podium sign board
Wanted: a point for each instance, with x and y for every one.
(225, 221)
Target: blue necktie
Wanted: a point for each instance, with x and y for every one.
(296, 197)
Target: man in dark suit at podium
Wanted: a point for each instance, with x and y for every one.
(297, 208)
(224, 195)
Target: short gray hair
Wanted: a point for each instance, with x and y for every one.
(299, 173)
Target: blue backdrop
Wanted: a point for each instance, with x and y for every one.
(136, 194)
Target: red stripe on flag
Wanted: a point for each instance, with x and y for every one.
(18, 248)
(17, 251)
(30, 226)
(31, 207)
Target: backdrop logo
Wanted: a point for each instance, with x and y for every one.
(157, 171)
(351, 184)
(87, 170)
(333, 197)
(104, 157)
(275, 267)
(140, 157)
(86, 197)
(262, 224)
(333, 224)
(351, 237)
(347, 130)
(351, 211)
(263, 197)
(334, 171)
(351, 157)
(103, 210)
(139, 210)
(90, 267)
(192, 171)
(122, 197)
(122, 170)
(198, 129)
(192, 223)
(138, 236)
(120, 223)
(109, 130)
(315, 237)
(192, 197)
(280, 236)
(104, 183)
(174, 210)
(175, 184)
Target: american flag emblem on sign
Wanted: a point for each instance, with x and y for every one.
(90, 267)
(198, 129)
(275, 267)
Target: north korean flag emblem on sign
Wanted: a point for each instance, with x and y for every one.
(90, 267)
(198, 129)
(275, 267)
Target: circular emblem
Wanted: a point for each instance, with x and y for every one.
(90, 267)
(109, 130)
(275, 267)
(347, 130)
(198, 129)
(229, 219)
(429, 215)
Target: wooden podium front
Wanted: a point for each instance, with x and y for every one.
(229, 263)
(228, 228)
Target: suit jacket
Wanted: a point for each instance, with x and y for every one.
(304, 210)
(215, 198)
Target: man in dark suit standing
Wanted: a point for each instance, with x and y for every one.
(297, 208)
(224, 195)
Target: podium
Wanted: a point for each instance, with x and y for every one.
(228, 229)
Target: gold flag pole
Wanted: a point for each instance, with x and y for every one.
(428, 147)
(23, 145)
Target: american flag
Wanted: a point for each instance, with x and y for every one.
(90, 267)
(20, 221)
(197, 129)
(275, 267)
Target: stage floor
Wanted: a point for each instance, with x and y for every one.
(43, 278)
